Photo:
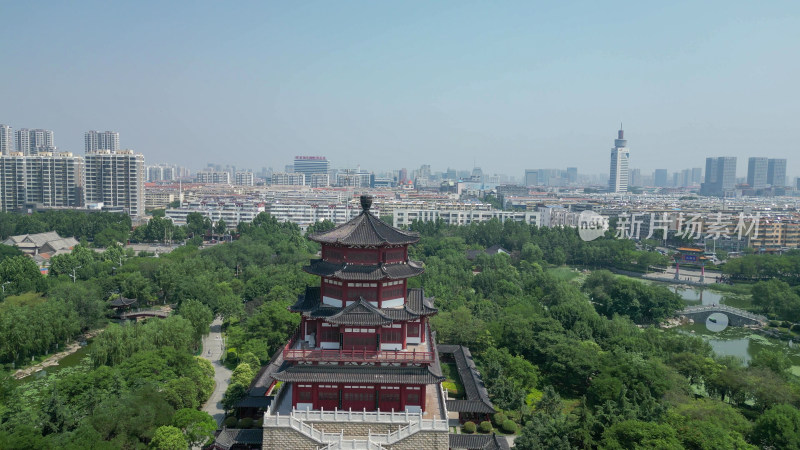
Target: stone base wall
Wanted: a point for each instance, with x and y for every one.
(424, 440)
(284, 438)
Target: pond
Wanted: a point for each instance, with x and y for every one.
(742, 343)
(68, 361)
(698, 296)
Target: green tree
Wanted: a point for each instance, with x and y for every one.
(198, 426)
(168, 437)
(635, 434)
(199, 315)
(778, 427)
(18, 274)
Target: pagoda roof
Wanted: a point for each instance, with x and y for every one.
(122, 301)
(359, 313)
(365, 230)
(360, 374)
(416, 305)
(369, 272)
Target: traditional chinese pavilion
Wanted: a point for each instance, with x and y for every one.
(364, 342)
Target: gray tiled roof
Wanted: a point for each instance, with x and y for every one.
(477, 400)
(416, 305)
(358, 374)
(369, 272)
(359, 313)
(365, 230)
(229, 437)
(478, 442)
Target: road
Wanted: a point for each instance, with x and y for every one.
(212, 351)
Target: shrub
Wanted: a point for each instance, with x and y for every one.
(498, 419)
(246, 422)
(795, 328)
(485, 427)
(786, 324)
(469, 427)
(230, 422)
(508, 426)
(774, 323)
(258, 423)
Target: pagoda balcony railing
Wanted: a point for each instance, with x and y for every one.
(401, 356)
(290, 353)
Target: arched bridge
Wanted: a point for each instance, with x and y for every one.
(736, 317)
(142, 313)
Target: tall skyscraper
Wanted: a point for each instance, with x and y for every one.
(33, 142)
(531, 177)
(776, 172)
(101, 140)
(697, 176)
(244, 178)
(720, 176)
(309, 165)
(47, 179)
(757, 172)
(116, 179)
(618, 180)
(6, 140)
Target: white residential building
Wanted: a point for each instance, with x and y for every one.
(116, 179)
(46, 179)
(6, 140)
(101, 140)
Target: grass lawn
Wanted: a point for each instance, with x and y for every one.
(452, 381)
(26, 299)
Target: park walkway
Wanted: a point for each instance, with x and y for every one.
(213, 351)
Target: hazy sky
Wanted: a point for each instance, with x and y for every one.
(510, 85)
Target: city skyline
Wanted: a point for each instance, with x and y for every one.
(504, 86)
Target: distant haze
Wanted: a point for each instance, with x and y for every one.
(385, 85)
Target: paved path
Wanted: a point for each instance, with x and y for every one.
(212, 351)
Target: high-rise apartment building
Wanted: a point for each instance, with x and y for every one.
(116, 179)
(572, 175)
(46, 179)
(776, 172)
(6, 140)
(697, 176)
(101, 140)
(244, 178)
(161, 173)
(288, 179)
(660, 178)
(720, 176)
(213, 177)
(757, 172)
(32, 142)
(620, 155)
(309, 165)
(531, 177)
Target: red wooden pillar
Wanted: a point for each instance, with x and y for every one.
(319, 333)
(403, 330)
(422, 396)
(403, 397)
(423, 328)
(294, 396)
(380, 294)
(315, 396)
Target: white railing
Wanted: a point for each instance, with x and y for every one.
(414, 424)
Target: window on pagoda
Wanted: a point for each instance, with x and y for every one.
(393, 289)
(413, 330)
(304, 393)
(329, 334)
(392, 335)
(363, 257)
(390, 394)
(397, 255)
(413, 395)
(360, 341)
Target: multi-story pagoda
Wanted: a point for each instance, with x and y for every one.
(364, 342)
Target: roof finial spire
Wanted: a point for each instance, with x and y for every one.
(366, 202)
